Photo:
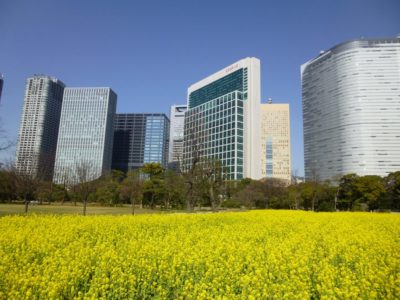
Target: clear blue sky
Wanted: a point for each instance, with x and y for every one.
(149, 52)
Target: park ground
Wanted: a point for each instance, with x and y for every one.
(92, 209)
(57, 208)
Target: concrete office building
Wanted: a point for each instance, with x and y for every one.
(38, 132)
(223, 120)
(351, 109)
(86, 133)
(275, 141)
(140, 139)
(177, 119)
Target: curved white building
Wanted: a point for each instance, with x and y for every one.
(351, 109)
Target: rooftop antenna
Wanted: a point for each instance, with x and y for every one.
(269, 100)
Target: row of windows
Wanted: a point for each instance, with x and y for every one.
(227, 84)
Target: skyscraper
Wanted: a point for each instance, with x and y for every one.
(38, 133)
(223, 120)
(275, 141)
(140, 139)
(177, 118)
(351, 109)
(86, 133)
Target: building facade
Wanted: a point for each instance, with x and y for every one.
(38, 133)
(351, 109)
(86, 134)
(140, 139)
(275, 141)
(177, 119)
(223, 120)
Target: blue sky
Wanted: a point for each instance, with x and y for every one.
(149, 52)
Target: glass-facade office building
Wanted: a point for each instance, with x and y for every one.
(140, 139)
(223, 120)
(177, 123)
(38, 133)
(351, 109)
(86, 133)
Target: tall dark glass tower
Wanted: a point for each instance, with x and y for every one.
(140, 139)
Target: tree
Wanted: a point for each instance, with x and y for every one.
(294, 195)
(314, 186)
(132, 188)
(5, 142)
(355, 191)
(347, 194)
(252, 194)
(273, 190)
(26, 184)
(153, 187)
(174, 189)
(152, 169)
(370, 189)
(192, 172)
(7, 185)
(107, 190)
(84, 178)
(392, 185)
(212, 173)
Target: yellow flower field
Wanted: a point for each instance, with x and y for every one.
(249, 255)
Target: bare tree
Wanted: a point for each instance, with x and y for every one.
(84, 178)
(190, 170)
(295, 188)
(67, 184)
(315, 182)
(213, 172)
(272, 188)
(5, 142)
(44, 176)
(26, 184)
(132, 188)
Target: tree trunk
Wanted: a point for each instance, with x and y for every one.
(26, 204)
(63, 199)
(189, 203)
(133, 205)
(84, 206)
(212, 199)
(152, 201)
(313, 202)
(51, 192)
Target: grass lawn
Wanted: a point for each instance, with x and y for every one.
(68, 208)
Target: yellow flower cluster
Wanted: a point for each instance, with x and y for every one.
(250, 255)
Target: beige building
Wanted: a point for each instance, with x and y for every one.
(275, 141)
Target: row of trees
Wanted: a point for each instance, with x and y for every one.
(205, 186)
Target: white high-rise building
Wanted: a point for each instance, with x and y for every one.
(86, 134)
(223, 120)
(351, 109)
(177, 119)
(37, 139)
(275, 141)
